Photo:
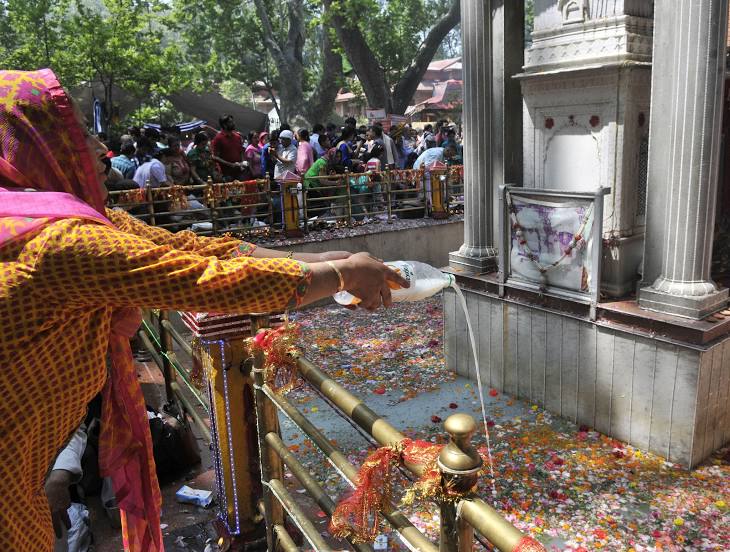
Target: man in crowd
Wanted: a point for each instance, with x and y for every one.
(376, 145)
(450, 140)
(427, 140)
(331, 131)
(432, 155)
(285, 155)
(227, 149)
(125, 162)
(152, 170)
(317, 130)
(391, 151)
(201, 162)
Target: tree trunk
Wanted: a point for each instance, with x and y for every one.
(362, 59)
(288, 57)
(371, 74)
(407, 85)
(321, 102)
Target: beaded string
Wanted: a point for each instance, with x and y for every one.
(229, 433)
(217, 460)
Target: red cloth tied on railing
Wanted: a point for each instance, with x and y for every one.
(280, 360)
(357, 515)
(528, 544)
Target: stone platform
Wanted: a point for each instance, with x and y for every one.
(655, 381)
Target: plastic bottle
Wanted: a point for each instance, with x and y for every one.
(424, 280)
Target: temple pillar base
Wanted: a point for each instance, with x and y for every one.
(687, 306)
(473, 259)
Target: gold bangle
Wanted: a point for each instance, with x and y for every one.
(339, 275)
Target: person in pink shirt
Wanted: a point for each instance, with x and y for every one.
(252, 154)
(305, 152)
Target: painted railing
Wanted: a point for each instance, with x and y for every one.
(265, 208)
(241, 390)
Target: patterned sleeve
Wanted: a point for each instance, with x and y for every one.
(88, 265)
(224, 247)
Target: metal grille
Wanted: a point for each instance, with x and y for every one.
(643, 171)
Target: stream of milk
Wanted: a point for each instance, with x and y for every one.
(480, 388)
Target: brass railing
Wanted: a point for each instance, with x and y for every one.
(460, 518)
(262, 207)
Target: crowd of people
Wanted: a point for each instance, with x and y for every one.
(145, 157)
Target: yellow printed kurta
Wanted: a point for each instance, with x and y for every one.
(58, 287)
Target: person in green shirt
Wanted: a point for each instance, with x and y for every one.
(324, 166)
(201, 161)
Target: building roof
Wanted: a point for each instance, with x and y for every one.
(443, 64)
(345, 96)
(446, 96)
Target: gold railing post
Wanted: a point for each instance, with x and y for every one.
(305, 209)
(150, 202)
(209, 198)
(166, 348)
(349, 197)
(290, 205)
(267, 421)
(388, 197)
(233, 422)
(437, 177)
(460, 464)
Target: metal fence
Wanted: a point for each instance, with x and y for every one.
(263, 207)
(460, 517)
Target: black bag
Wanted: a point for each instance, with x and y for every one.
(173, 443)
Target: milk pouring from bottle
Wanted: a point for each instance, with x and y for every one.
(424, 281)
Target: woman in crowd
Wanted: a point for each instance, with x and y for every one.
(252, 154)
(73, 277)
(305, 152)
(345, 146)
(176, 165)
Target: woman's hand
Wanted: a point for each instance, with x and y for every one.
(367, 279)
(59, 499)
(364, 276)
(334, 255)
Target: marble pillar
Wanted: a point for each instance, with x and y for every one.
(492, 53)
(684, 143)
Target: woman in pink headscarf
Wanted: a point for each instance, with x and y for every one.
(73, 276)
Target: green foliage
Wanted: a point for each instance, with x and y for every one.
(118, 41)
(31, 36)
(156, 110)
(529, 20)
(114, 42)
(222, 40)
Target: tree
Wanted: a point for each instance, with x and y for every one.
(117, 43)
(390, 44)
(31, 36)
(264, 44)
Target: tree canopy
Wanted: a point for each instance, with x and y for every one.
(298, 50)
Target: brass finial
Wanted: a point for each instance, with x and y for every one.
(459, 461)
